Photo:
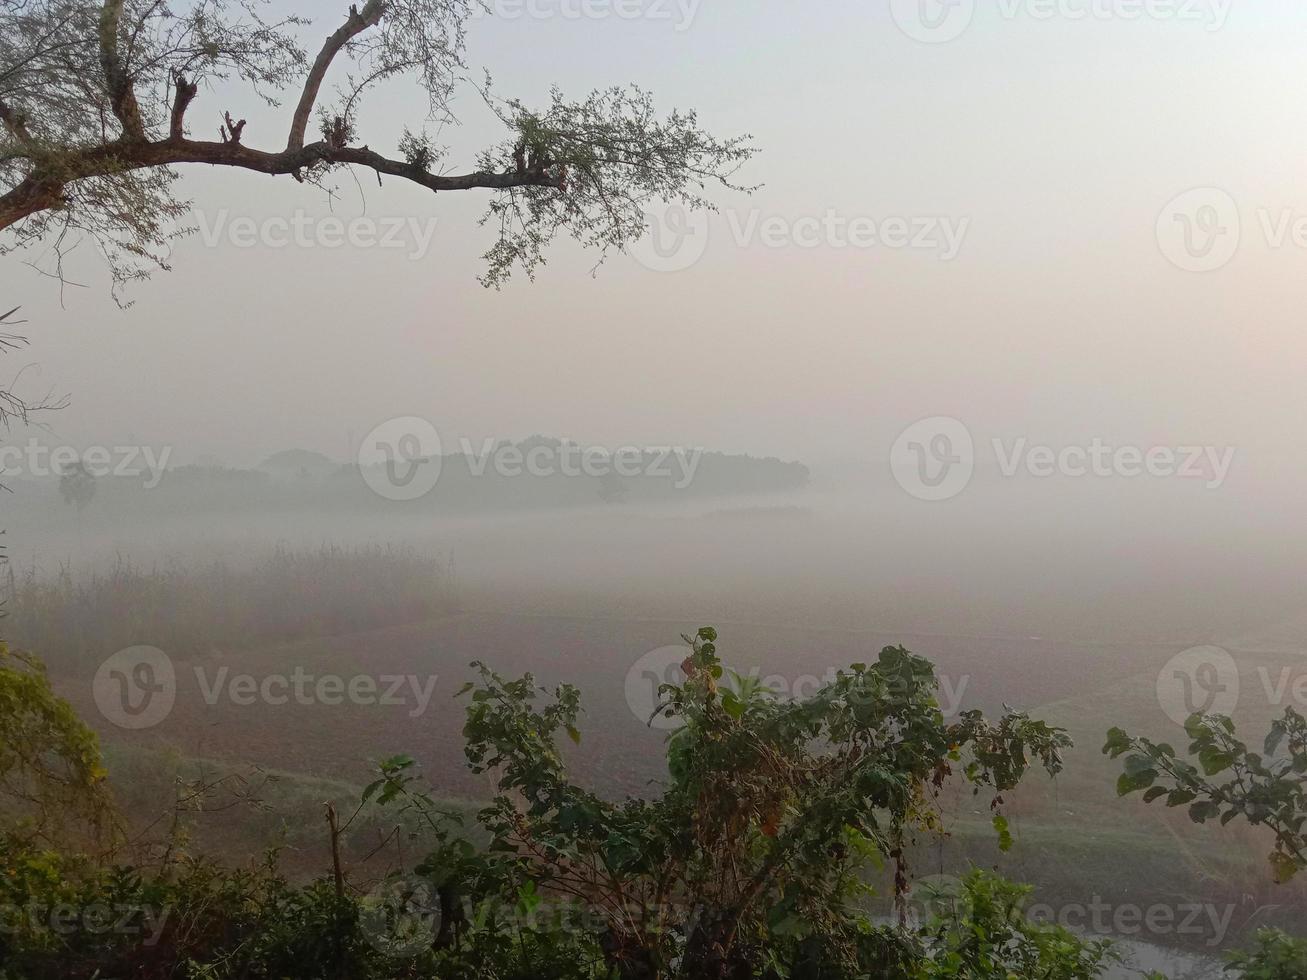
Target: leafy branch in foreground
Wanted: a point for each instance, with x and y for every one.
(1266, 789)
(52, 779)
(550, 882)
(96, 100)
(773, 811)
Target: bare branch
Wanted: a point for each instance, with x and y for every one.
(122, 94)
(186, 92)
(231, 131)
(354, 25)
(34, 194)
(15, 122)
(31, 196)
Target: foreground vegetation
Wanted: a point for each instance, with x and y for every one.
(753, 863)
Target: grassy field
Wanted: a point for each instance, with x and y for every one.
(1075, 841)
(245, 811)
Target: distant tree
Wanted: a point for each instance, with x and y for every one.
(77, 486)
(95, 94)
(612, 490)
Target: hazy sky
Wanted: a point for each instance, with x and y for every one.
(1054, 141)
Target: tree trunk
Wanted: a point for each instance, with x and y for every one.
(29, 197)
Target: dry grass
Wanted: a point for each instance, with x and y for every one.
(69, 620)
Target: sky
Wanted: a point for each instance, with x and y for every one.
(1046, 290)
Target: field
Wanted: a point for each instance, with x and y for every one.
(281, 751)
(1061, 827)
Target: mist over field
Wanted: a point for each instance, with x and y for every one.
(1099, 558)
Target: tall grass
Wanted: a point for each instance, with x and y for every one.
(193, 610)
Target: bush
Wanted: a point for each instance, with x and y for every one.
(753, 863)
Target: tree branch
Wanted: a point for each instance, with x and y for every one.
(39, 191)
(122, 96)
(15, 122)
(30, 196)
(186, 92)
(354, 25)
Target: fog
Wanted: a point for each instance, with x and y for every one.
(1055, 142)
(1097, 558)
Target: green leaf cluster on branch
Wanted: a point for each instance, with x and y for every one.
(773, 812)
(52, 781)
(1267, 788)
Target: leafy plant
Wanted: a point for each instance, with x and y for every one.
(52, 780)
(1276, 957)
(1266, 789)
(773, 812)
(980, 929)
